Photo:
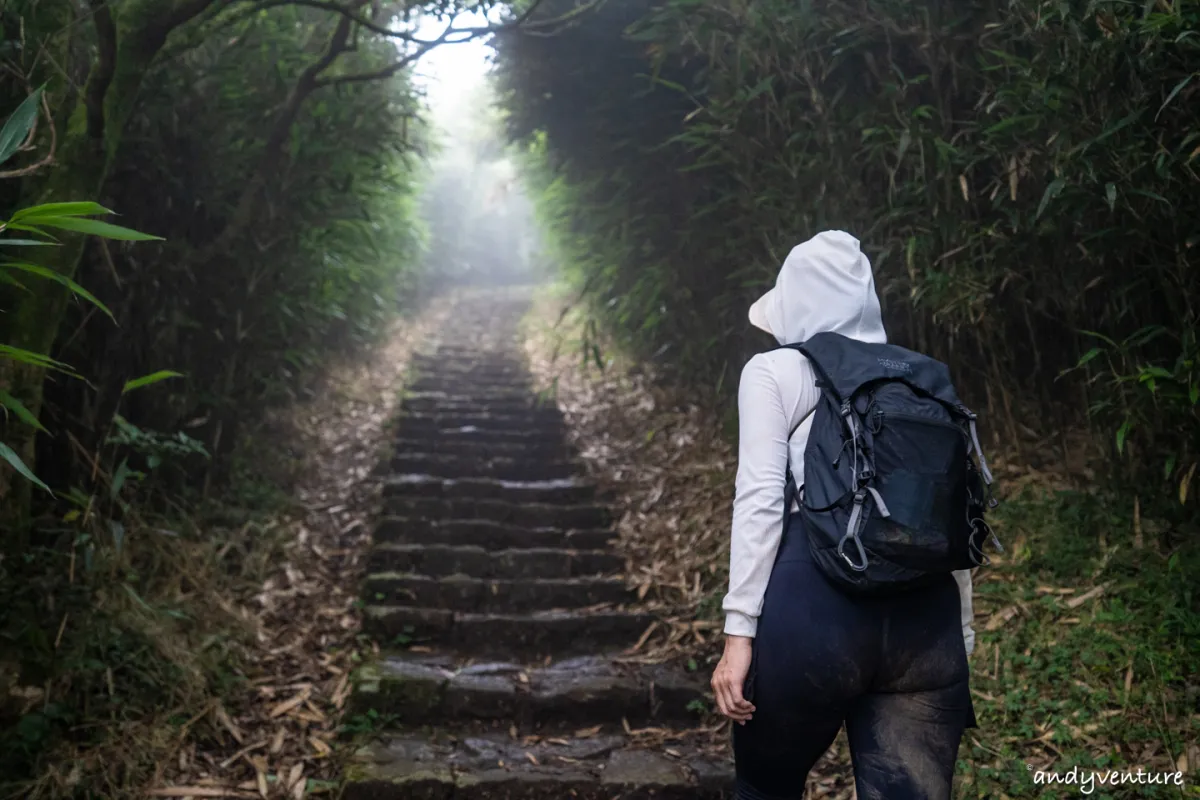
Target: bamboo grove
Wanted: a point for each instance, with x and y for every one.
(1025, 176)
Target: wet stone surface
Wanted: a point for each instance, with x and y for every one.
(496, 597)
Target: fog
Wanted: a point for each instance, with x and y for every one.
(479, 217)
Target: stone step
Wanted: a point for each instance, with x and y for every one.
(430, 402)
(473, 361)
(580, 692)
(565, 491)
(475, 387)
(532, 635)
(429, 386)
(491, 535)
(467, 434)
(494, 595)
(533, 515)
(465, 466)
(476, 562)
(550, 448)
(495, 767)
(543, 419)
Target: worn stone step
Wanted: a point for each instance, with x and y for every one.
(550, 448)
(532, 635)
(476, 562)
(430, 386)
(534, 515)
(579, 692)
(475, 387)
(469, 466)
(430, 402)
(494, 595)
(549, 491)
(481, 361)
(543, 419)
(477, 362)
(488, 534)
(495, 767)
(450, 436)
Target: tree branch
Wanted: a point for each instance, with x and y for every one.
(522, 20)
(102, 73)
(451, 35)
(243, 214)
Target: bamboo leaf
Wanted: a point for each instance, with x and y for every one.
(96, 228)
(22, 413)
(84, 209)
(1184, 484)
(50, 274)
(1088, 356)
(34, 359)
(1178, 88)
(24, 243)
(9, 455)
(18, 125)
(1052, 191)
(1122, 434)
(147, 380)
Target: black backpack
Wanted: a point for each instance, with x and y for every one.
(895, 483)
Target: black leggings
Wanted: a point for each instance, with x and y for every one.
(893, 670)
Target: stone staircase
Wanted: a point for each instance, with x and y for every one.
(496, 597)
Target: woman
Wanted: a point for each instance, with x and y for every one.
(801, 658)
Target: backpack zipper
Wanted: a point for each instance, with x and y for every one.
(884, 415)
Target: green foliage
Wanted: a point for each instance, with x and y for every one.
(1105, 682)
(17, 126)
(34, 220)
(1021, 175)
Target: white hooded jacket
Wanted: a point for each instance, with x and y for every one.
(825, 285)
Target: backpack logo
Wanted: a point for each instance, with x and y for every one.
(897, 366)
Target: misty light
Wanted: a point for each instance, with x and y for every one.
(452, 72)
(479, 218)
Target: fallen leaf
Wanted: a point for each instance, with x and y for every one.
(1076, 602)
(998, 619)
(197, 791)
(288, 705)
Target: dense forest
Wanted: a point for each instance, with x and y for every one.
(1023, 175)
(207, 204)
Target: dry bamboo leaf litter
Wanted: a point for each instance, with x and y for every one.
(304, 616)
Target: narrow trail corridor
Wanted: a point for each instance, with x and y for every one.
(497, 600)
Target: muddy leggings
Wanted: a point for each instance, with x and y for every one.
(893, 670)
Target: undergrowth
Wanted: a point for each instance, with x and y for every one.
(1106, 683)
(111, 657)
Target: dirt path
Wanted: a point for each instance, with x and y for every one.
(499, 606)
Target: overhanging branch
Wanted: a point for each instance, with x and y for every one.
(523, 20)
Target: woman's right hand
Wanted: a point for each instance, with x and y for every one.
(730, 676)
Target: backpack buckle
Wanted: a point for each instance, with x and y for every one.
(852, 533)
(862, 554)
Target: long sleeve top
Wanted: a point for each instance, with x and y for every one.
(777, 392)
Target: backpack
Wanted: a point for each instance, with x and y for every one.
(896, 485)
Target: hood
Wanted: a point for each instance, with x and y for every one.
(824, 286)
